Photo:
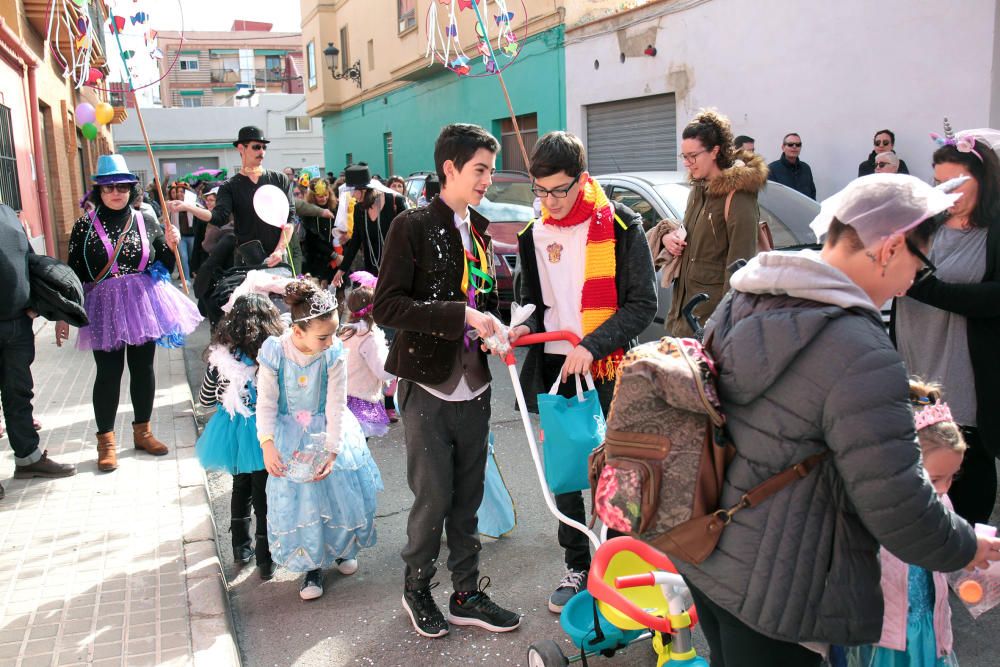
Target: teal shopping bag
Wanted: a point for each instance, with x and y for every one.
(571, 429)
(496, 513)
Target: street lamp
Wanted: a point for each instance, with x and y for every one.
(353, 72)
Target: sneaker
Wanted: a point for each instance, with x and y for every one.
(571, 584)
(393, 415)
(479, 610)
(427, 619)
(312, 585)
(44, 467)
(347, 565)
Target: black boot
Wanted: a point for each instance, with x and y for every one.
(242, 551)
(265, 566)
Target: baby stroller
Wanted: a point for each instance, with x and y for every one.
(633, 592)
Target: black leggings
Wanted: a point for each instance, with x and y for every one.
(107, 384)
(732, 643)
(250, 489)
(974, 491)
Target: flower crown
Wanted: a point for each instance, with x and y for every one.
(932, 414)
(320, 303)
(966, 143)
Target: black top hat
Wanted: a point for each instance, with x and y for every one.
(357, 176)
(250, 133)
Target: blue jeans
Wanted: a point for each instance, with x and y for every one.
(17, 352)
(185, 248)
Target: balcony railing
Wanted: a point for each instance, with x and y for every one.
(260, 75)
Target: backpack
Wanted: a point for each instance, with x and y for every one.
(660, 472)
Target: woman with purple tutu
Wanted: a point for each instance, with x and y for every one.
(366, 350)
(130, 302)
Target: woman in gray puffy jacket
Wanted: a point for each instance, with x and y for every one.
(807, 367)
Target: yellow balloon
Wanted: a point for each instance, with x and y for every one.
(104, 113)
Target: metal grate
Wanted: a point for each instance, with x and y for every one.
(10, 189)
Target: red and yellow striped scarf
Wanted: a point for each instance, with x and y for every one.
(599, 300)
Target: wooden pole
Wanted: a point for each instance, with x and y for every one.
(159, 191)
(149, 151)
(513, 118)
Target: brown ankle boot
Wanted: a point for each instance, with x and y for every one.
(143, 439)
(107, 453)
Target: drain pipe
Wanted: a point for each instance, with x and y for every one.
(29, 61)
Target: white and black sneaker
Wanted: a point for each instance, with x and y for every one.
(427, 619)
(479, 610)
(572, 583)
(347, 565)
(312, 585)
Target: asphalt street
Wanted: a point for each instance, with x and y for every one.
(359, 619)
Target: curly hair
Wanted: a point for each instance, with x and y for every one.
(713, 129)
(252, 320)
(986, 170)
(298, 294)
(943, 435)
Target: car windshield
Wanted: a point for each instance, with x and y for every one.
(507, 201)
(500, 212)
(676, 196)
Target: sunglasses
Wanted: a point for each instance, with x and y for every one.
(794, 144)
(558, 193)
(883, 142)
(928, 268)
(116, 187)
(257, 147)
(881, 165)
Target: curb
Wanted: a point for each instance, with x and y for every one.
(213, 631)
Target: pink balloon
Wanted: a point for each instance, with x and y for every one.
(85, 113)
(271, 204)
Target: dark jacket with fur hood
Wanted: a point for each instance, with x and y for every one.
(714, 241)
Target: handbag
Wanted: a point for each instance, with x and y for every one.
(571, 429)
(496, 512)
(765, 241)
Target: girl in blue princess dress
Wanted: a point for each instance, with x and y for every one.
(325, 516)
(229, 441)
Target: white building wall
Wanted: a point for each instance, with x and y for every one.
(216, 127)
(833, 71)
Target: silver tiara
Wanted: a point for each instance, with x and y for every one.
(320, 303)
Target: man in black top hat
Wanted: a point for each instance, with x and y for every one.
(377, 206)
(235, 197)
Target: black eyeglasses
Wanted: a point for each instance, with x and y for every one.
(794, 144)
(559, 193)
(881, 165)
(883, 142)
(116, 187)
(927, 270)
(257, 147)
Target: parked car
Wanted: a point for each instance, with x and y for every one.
(508, 205)
(656, 195)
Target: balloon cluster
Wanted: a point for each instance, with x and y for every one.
(88, 117)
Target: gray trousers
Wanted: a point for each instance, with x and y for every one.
(446, 446)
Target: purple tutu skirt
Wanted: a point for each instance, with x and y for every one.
(134, 309)
(372, 416)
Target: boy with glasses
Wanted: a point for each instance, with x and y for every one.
(790, 170)
(586, 267)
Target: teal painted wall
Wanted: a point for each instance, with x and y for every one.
(416, 113)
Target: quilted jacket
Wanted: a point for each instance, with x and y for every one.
(806, 366)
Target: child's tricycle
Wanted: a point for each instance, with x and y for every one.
(633, 592)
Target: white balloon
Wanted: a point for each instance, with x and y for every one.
(271, 204)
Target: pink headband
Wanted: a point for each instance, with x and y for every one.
(965, 144)
(932, 414)
(364, 311)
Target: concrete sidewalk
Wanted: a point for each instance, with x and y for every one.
(113, 568)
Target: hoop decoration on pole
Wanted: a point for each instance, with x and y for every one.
(497, 44)
(116, 24)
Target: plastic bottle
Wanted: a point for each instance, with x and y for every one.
(307, 461)
(978, 590)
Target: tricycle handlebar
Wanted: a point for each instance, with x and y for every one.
(546, 337)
